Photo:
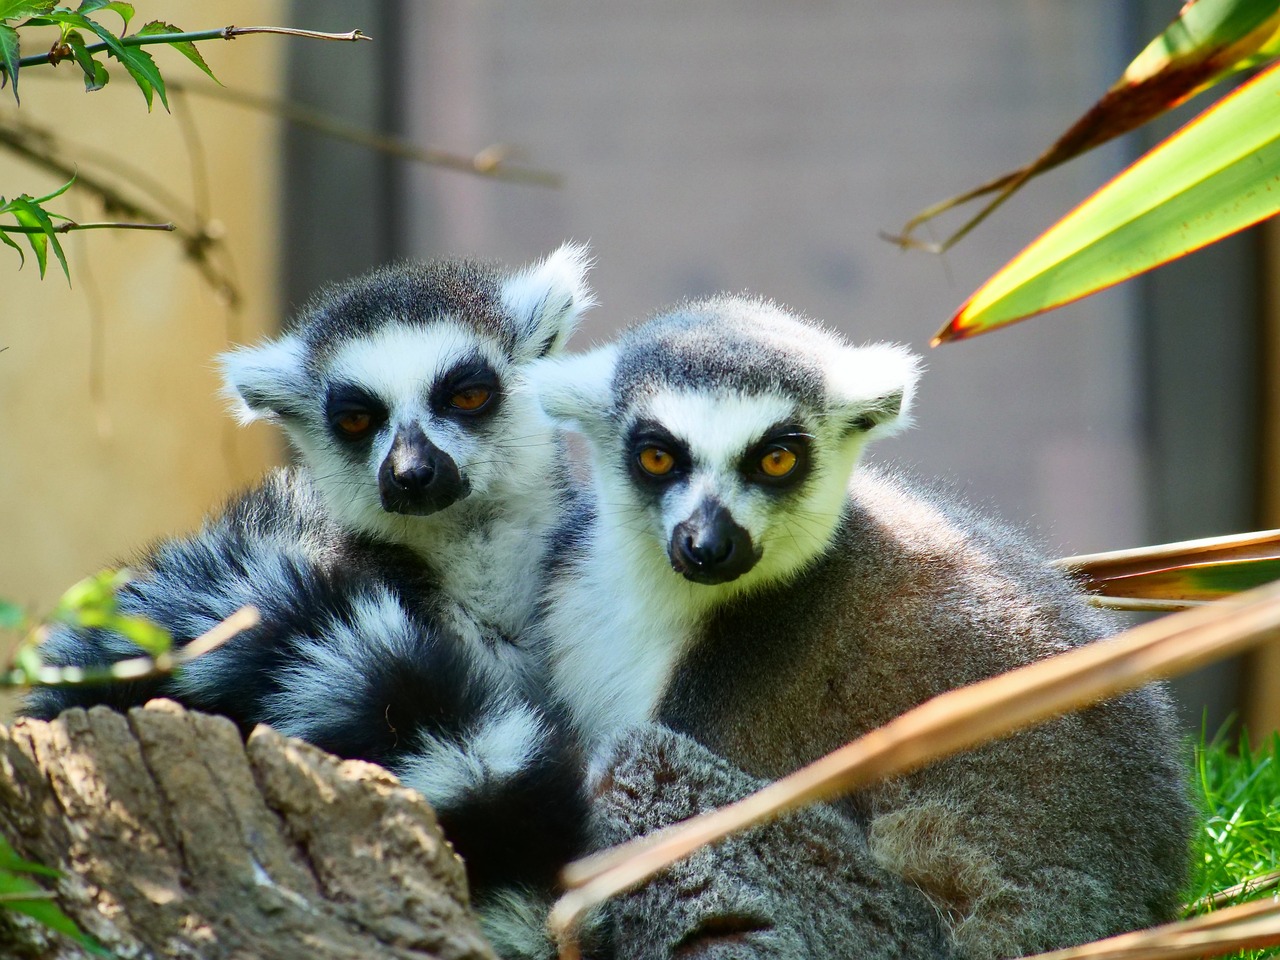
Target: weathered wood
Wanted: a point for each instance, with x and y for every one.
(176, 839)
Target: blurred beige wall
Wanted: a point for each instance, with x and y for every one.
(86, 480)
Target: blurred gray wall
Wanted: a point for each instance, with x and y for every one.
(762, 146)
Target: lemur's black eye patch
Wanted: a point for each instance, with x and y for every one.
(470, 388)
(353, 413)
(654, 456)
(781, 459)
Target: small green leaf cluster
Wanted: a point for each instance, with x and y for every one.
(37, 224)
(18, 891)
(76, 26)
(90, 604)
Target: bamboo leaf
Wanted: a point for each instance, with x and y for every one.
(22, 257)
(1217, 175)
(1176, 575)
(1209, 41)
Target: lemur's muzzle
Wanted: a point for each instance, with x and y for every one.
(417, 477)
(710, 547)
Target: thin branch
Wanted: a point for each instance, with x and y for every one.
(38, 146)
(69, 225)
(489, 162)
(223, 33)
(136, 668)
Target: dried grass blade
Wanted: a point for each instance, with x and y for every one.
(1247, 926)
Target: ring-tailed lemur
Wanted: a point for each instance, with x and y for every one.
(739, 582)
(396, 570)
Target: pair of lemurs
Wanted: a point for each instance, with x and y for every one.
(560, 665)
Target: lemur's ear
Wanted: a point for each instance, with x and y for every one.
(546, 299)
(872, 387)
(574, 391)
(266, 381)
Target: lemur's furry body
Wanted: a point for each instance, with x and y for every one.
(397, 570)
(735, 585)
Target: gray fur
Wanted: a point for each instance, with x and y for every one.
(890, 594)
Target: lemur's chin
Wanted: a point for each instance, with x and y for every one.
(423, 506)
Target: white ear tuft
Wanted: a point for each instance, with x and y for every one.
(546, 299)
(574, 392)
(873, 386)
(269, 380)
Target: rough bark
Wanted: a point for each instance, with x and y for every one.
(177, 839)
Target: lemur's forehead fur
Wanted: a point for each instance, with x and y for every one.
(415, 296)
(724, 344)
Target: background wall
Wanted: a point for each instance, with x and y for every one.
(111, 432)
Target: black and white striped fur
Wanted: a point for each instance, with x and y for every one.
(397, 570)
(774, 618)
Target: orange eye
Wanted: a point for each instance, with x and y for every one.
(778, 462)
(472, 398)
(656, 461)
(353, 423)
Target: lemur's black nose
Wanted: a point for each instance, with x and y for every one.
(710, 546)
(417, 477)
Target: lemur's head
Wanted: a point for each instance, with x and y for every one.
(396, 387)
(723, 433)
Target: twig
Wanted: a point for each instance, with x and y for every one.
(137, 668)
(222, 33)
(1247, 926)
(489, 162)
(69, 225)
(22, 139)
(26, 895)
(1258, 884)
(947, 724)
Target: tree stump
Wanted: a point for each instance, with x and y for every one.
(177, 839)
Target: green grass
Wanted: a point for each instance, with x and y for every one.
(1239, 793)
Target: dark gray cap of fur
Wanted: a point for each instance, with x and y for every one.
(725, 343)
(409, 293)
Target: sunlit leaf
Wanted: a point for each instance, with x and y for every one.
(145, 73)
(22, 257)
(28, 214)
(19, 892)
(1210, 40)
(9, 56)
(95, 74)
(22, 9)
(57, 193)
(1219, 174)
(185, 47)
(125, 10)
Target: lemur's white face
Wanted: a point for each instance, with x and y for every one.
(400, 414)
(732, 489)
(413, 420)
(723, 436)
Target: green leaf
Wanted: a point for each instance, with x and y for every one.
(22, 9)
(1217, 175)
(95, 74)
(4, 237)
(9, 56)
(9, 860)
(145, 73)
(30, 213)
(12, 616)
(184, 47)
(19, 892)
(57, 193)
(151, 637)
(125, 10)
